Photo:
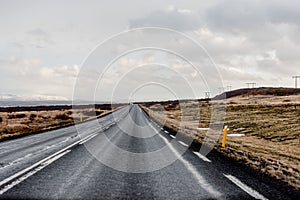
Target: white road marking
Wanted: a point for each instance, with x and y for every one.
(17, 160)
(244, 187)
(89, 138)
(56, 144)
(16, 175)
(172, 136)
(183, 144)
(166, 131)
(203, 129)
(202, 182)
(236, 135)
(32, 154)
(201, 156)
(30, 173)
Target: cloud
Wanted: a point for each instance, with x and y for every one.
(261, 21)
(37, 79)
(159, 69)
(170, 17)
(235, 16)
(283, 12)
(39, 38)
(34, 38)
(251, 40)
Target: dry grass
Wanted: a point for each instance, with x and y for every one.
(20, 123)
(271, 125)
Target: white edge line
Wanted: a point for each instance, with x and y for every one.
(30, 173)
(89, 138)
(244, 187)
(204, 158)
(38, 163)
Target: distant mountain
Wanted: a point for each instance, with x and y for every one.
(11, 100)
(37, 97)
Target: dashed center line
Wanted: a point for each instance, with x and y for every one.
(172, 136)
(201, 156)
(201, 180)
(182, 143)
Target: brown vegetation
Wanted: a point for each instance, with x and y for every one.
(18, 121)
(265, 91)
(271, 125)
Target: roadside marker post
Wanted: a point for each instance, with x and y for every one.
(224, 136)
(80, 117)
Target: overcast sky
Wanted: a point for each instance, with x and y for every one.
(44, 44)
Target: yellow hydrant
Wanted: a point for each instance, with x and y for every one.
(224, 136)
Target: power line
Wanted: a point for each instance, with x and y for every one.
(251, 84)
(296, 77)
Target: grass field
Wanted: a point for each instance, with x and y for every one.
(18, 121)
(271, 125)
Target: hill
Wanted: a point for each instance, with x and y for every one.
(271, 91)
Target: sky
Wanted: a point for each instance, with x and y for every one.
(106, 50)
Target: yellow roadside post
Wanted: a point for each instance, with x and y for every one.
(224, 136)
(80, 117)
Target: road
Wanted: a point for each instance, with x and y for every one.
(62, 164)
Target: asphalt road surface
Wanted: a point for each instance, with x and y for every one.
(118, 157)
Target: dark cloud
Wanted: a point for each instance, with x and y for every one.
(235, 16)
(284, 12)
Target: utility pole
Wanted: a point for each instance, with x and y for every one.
(296, 77)
(221, 90)
(207, 95)
(251, 84)
(229, 87)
